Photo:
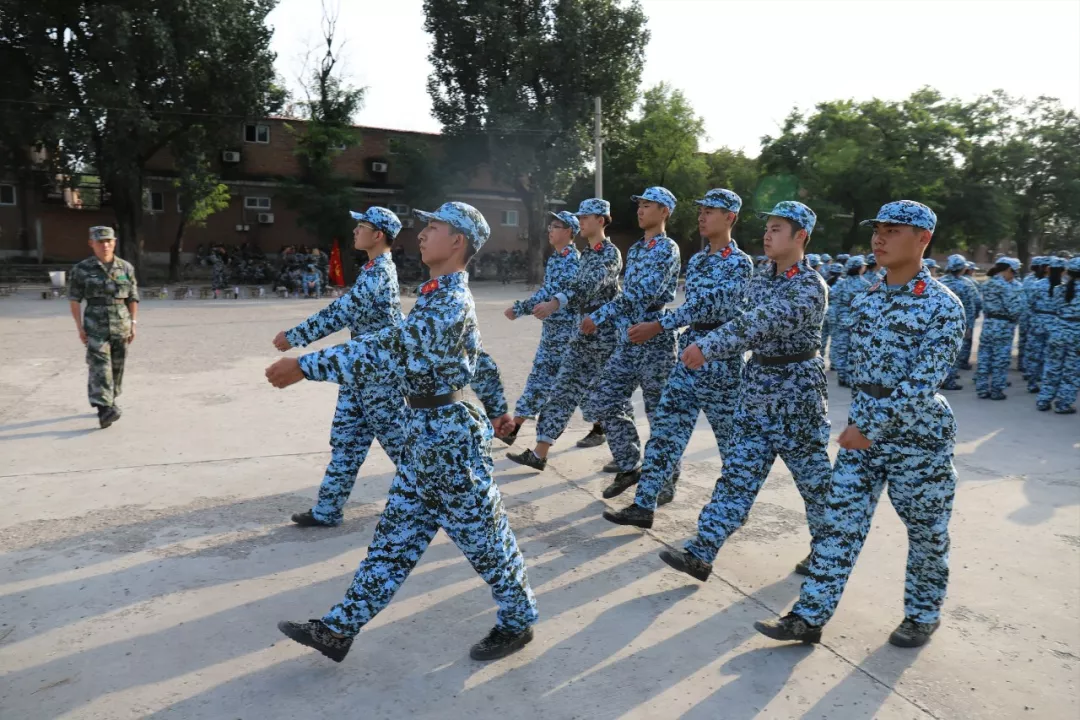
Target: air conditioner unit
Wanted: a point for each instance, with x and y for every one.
(408, 223)
(266, 218)
(230, 156)
(379, 167)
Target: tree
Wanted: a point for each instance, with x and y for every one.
(322, 196)
(514, 83)
(200, 194)
(126, 79)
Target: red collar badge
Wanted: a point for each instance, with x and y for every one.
(370, 264)
(429, 286)
(598, 247)
(920, 287)
(566, 251)
(652, 244)
(792, 272)
(726, 252)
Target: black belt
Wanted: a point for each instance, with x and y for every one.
(878, 392)
(785, 359)
(105, 301)
(997, 316)
(705, 327)
(656, 308)
(427, 402)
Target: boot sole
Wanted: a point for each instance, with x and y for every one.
(521, 462)
(508, 649)
(614, 518)
(784, 636)
(675, 563)
(906, 642)
(307, 641)
(617, 489)
(591, 443)
(309, 523)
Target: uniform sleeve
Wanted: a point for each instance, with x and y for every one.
(487, 384)
(375, 358)
(133, 293)
(590, 275)
(798, 305)
(729, 291)
(76, 289)
(934, 360)
(557, 275)
(646, 288)
(332, 318)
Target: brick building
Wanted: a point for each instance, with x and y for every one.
(255, 167)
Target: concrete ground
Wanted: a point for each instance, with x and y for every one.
(143, 568)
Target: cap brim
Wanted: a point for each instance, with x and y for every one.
(427, 216)
(358, 215)
(705, 203)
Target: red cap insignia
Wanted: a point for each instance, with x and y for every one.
(429, 286)
(920, 287)
(792, 272)
(598, 247)
(652, 243)
(370, 264)
(565, 252)
(726, 253)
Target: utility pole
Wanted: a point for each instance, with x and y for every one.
(599, 153)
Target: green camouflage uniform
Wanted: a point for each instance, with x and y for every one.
(107, 290)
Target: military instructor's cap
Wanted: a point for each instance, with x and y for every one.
(102, 233)
(657, 194)
(594, 206)
(795, 211)
(464, 218)
(721, 199)
(379, 218)
(564, 216)
(905, 212)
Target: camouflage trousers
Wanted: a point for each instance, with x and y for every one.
(826, 334)
(555, 338)
(220, 278)
(1035, 347)
(713, 389)
(1024, 326)
(921, 488)
(632, 366)
(1061, 372)
(357, 422)
(576, 383)
(995, 349)
(964, 358)
(799, 440)
(838, 352)
(443, 481)
(105, 355)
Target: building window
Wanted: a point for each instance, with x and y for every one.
(157, 202)
(257, 203)
(399, 209)
(257, 134)
(394, 146)
(7, 194)
(510, 218)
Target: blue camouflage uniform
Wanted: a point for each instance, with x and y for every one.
(824, 271)
(373, 303)
(783, 406)
(1040, 310)
(1025, 317)
(716, 285)
(963, 290)
(873, 273)
(595, 284)
(905, 343)
(558, 328)
(650, 283)
(1002, 303)
(443, 477)
(846, 289)
(1061, 371)
(964, 361)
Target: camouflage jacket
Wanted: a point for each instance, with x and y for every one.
(716, 285)
(90, 280)
(846, 289)
(1002, 298)
(559, 272)
(373, 303)
(905, 339)
(597, 279)
(965, 293)
(976, 293)
(434, 351)
(651, 280)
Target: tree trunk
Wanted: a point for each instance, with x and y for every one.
(175, 250)
(127, 207)
(536, 217)
(24, 214)
(1023, 235)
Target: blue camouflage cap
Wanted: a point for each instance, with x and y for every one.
(1038, 261)
(1073, 265)
(842, 258)
(826, 258)
(972, 266)
(795, 211)
(101, 233)
(1055, 262)
(464, 218)
(1011, 262)
(379, 218)
(657, 194)
(929, 262)
(721, 199)
(905, 212)
(814, 260)
(855, 261)
(871, 259)
(568, 218)
(955, 262)
(594, 206)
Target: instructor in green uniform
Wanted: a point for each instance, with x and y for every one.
(108, 286)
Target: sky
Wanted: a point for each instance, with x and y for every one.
(744, 64)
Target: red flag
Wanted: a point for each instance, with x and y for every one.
(337, 275)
